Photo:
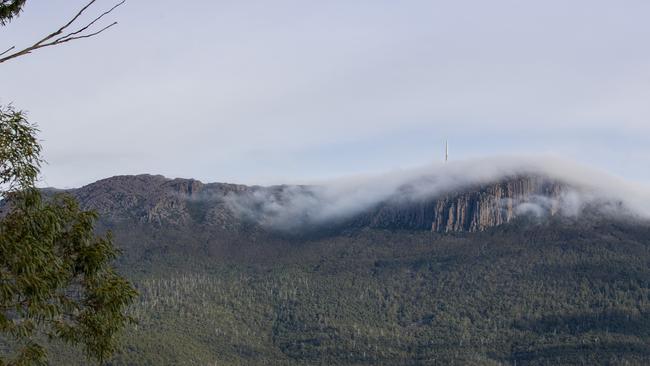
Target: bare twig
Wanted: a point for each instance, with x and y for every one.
(93, 22)
(48, 40)
(63, 40)
(66, 25)
(9, 49)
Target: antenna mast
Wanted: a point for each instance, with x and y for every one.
(446, 151)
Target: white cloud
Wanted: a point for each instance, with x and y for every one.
(292, 205)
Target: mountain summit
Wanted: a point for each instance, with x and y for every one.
(153, 199)
(425, 270)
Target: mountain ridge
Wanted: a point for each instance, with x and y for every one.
(378, 286)
(164, 201)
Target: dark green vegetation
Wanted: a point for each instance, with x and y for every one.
(10, 9)
(56, 277)
(57, 280)
(563, 291)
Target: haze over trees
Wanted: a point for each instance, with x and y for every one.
(57, 281)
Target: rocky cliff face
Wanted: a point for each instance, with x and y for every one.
(155, 200)
(472, 209)
(496, 204)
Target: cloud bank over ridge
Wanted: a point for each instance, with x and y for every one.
(289, 206)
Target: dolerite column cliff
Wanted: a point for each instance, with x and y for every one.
(494, 204)
(162, 202)
(470, 208)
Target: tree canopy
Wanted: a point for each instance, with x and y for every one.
(56, 278)
(10, 9)
(57, 281)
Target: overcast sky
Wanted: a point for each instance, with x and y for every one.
(293, 91)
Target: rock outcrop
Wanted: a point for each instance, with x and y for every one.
(496, 204)
(151, 199)
(471, 209)
(154, 199)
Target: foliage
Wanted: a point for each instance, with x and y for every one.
(56, 277)
(19, 151)
(10, 9)
(569, 293)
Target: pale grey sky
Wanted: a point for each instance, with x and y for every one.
(287, 91)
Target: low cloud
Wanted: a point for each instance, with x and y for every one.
(291, 206)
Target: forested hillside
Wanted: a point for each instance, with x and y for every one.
(533, 291)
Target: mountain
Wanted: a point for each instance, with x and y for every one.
(497, 272)
(156, 200)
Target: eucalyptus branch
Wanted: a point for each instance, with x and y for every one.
(52, 40)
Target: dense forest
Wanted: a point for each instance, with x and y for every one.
(558, 291)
